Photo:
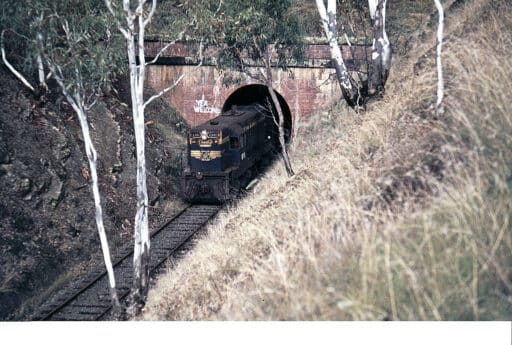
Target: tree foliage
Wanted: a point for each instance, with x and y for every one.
(249, 27)
(193, 20)
(77, 36)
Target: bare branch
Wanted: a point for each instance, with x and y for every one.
(177, 81)
(124, 31)
(263, 76)
(348, 40)
(89, 107)
(11, 68)
(260, 76)
(57, 75)
(269, 108)
(108, 3)
(151, 13)
(180, 36)
(218, 8)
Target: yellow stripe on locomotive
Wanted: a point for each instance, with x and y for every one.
(205, 156)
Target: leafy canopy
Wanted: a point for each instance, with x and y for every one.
(77, 36)
(249, 27)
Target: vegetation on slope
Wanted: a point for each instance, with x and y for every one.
(393, 214)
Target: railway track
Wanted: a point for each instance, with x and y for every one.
(88, 299)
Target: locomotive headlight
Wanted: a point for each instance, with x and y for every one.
(204, 134)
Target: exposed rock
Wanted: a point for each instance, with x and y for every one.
(54, 191)
(46, 209)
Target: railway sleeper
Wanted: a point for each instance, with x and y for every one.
(194, 219)
(184, 227)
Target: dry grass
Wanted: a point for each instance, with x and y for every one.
(392, 214)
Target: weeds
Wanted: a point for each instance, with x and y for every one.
(411, 223)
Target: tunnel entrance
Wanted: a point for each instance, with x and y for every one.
(257, 93)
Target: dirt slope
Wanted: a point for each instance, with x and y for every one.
(47, 229)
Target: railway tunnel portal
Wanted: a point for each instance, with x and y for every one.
(304, 88)
(257, 93)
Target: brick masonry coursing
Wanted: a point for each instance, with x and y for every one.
(201, 94)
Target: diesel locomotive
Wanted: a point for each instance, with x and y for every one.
(224, 153)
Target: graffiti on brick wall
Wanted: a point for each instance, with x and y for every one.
(202, 107)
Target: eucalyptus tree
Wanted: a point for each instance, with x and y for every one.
(381, 48)
(136, 17)
(381, 51)
(262, 33)
(72, 41)
(132, 18)
(349, 89)
(439, 63)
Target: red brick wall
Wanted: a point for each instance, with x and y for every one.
(313, 51)
(201, 94)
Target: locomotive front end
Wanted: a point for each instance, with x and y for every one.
(205, 179)
(224, 153)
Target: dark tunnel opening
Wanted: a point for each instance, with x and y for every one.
(257, 93)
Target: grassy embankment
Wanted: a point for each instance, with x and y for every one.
(392, 214)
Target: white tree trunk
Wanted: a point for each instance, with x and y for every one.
(328, 17)
(40, 65)
(269, 51)
(138, 19)
(39, 60)
(372, 4)
(10, 67)
(381, 48)
(92, 158)
(141, 250)
(282, 142)
(76, 101)
(142, 244)
(440, 81)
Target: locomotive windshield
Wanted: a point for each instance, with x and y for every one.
(205, 138)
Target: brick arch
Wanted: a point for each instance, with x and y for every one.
(306, 85)
(202, 93)
(258, 93)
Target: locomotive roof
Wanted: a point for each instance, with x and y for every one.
(234, 119)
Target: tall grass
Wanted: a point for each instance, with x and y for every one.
(393, 214)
